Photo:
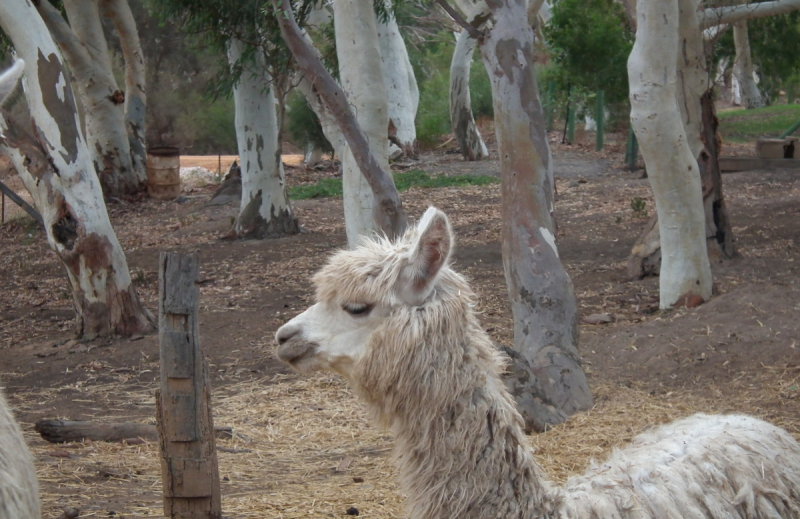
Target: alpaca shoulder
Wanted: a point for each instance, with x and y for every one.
(701, 466)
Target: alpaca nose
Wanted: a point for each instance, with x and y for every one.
(286, 332)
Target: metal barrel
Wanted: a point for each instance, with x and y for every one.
(164, 173)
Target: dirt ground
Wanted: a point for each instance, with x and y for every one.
(740, 352)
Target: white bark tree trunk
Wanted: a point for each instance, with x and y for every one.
(461, 120)
(692, 91)
(387, 211)
(401, 86)
(84, 47)
(673, 170)
(360, 72)
(135, 97)
(264, 211)
(750, 95)
(540, 290)
(65, 187)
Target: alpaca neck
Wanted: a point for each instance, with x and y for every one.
(460, 447)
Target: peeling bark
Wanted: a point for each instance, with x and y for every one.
(541, 292)
(135, 98)
(56, 168)
(84, 47)
(264, 210)
(461, 120)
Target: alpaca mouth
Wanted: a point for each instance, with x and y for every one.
(294, 352)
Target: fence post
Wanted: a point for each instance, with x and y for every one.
(190, 476)
(571, 124)
(550, 102)
(600, 117)
(631, 150)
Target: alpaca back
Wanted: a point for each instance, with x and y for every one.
(19, 488)
(726, 466)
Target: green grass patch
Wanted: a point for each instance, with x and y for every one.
(742, 125)
(332, 187)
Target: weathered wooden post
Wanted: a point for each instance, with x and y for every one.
(189, 472)
(550, 103)
(600, 117)
(631, 150)
(571, 124)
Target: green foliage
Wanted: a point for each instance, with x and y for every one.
(326, 187)
(303, 126)
(431, 62)
(775, 49)
(747, 125)
(639, 206)
(332, 187)
(590, 41)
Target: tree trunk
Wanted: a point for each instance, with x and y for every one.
(264, 210)
(541, 292)
(86, 52)
(401, 86)
(56, 168)
(362, 81)
(693, 97)
(135, 98)
(750, 96)
(671, 167)
(719, 232)
(461, 120)
(387, 208)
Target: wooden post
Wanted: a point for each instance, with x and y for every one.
(190, 476)
(600, 118)
(571, 124)
(631, 150)
(550, 103)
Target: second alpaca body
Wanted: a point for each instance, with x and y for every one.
(400, 325)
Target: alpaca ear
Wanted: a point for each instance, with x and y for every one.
(429, 253)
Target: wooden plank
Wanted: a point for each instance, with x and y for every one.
(734, 164)
(63, 431)
(190, 476)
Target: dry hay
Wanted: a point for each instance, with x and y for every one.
(303, 446)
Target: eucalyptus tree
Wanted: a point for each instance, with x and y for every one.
(551, 383)
(669, 243)
(115, 125)
(386, 209)
(461, 119)
(258, 76)
(55, 164)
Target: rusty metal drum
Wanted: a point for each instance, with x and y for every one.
(164, 173)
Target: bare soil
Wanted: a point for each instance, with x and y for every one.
(741, 350)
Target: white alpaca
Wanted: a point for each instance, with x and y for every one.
(19, 488)
(399, 324)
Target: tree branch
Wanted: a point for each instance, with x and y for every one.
(387, 211)
(473, 31)
(737, 13)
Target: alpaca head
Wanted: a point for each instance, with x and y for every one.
(358, 290)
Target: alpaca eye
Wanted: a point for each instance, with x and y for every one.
(357, 309)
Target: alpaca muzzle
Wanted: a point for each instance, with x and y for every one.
(294, 351)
